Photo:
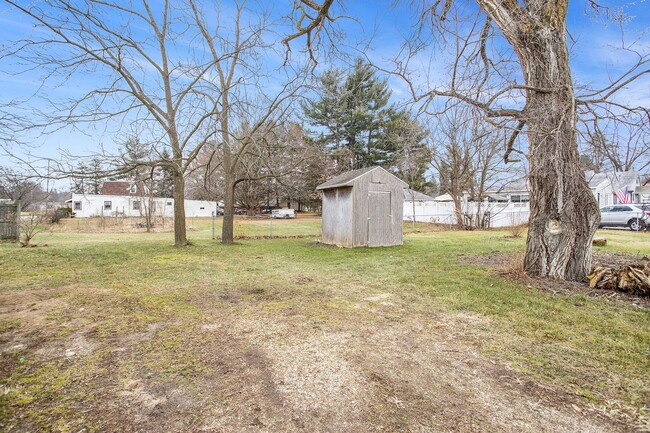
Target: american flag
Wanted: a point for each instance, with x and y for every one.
(622, 195)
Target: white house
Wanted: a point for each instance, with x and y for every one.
(515, 191)
(130, 200)
(93, 205)
(602, 185)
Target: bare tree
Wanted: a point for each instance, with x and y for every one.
(564, 213)
(452, 158)
(267, 154)
(620, 143)
(177, 70)
(17, 186)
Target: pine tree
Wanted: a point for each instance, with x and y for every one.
(352, 116)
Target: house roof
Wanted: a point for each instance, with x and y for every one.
(113, 187)
(625, 178)
(595, 179)
(515, 185)
(618, 179)
(411, 194)
(444, 197)
(645, 189)
(347, 178)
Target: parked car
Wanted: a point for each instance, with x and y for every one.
(219, 210)
(283, 213)
(633, 216)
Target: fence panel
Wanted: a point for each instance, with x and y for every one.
(9, 217)
(500, 214)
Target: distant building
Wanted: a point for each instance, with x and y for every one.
(94, 205)
(602, 185)
(605, 185)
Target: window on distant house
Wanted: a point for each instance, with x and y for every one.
(202, 208)
(169, 203)
(133, 188)
(76, 205)
(108, 205)
(515, 198)
(136, 205)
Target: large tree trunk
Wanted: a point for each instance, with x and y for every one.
(563, 212)
(227, 229)
(180, 235)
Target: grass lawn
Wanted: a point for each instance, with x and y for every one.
(122, 331)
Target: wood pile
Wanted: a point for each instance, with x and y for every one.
(633, 279)
(599, 242)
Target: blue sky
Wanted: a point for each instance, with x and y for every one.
(596, 57)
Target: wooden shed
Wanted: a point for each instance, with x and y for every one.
(363, 208)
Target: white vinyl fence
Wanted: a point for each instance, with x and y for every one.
(491, 214)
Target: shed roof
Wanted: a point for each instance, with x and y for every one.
(347, 178)
(411, 194)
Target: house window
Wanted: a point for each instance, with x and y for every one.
(133, 188)
(202, 208)
(108, 205)
(136, 205)
(76, 205)
(169, 203)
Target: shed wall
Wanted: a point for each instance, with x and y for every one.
(337, 216)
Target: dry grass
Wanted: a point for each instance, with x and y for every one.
(119, 331)
(513, 266)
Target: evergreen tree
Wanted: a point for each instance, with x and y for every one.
(79, 181)
(164, 178)
(96, 178)
(352, 117)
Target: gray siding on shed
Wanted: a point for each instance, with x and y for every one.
(363, 208)
(337, 216)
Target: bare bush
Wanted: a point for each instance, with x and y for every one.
(517, 231)
(33, 224)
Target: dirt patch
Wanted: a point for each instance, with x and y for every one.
(238, 367)
(510, 265)
(414, 375)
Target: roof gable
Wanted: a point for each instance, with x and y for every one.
(348, 178)
(113, 187)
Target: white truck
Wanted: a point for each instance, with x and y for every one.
(283, 213)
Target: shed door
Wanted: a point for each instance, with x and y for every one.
(379, 218)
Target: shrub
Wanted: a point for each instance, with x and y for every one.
(518, 230)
